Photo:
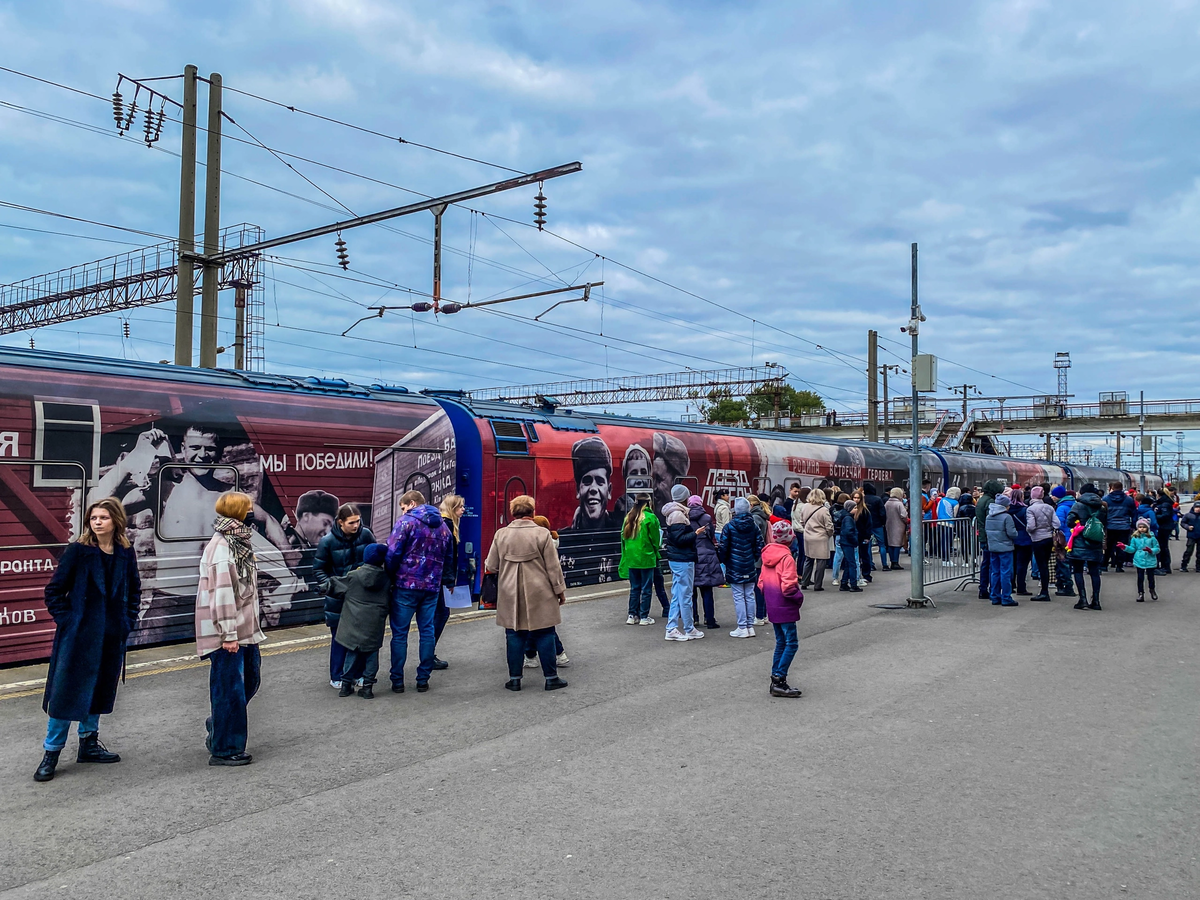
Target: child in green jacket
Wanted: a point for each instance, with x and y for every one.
(1144, 547)
(641, 537)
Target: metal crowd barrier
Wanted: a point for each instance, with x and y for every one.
(951, 550)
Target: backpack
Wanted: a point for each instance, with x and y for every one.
(1093, 529)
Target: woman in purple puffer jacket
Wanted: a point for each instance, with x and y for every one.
(781, 591)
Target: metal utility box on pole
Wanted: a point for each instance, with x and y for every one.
(184, 327)
(212, 228)
(872, 386)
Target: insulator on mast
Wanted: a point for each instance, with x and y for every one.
(539, 206)
(118, 108)
(342, 255)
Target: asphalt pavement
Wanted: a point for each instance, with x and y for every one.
(969, 751)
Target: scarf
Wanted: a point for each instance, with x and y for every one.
(237, 535)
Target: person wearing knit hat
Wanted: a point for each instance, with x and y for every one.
(1041, 525)
(592, 464)
(1058, 492)
(1001, 540)
(740, 548)
(679, 547)
(781, 591)
(365, 595)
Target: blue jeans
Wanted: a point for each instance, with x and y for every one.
(743, 603)
(1001, 565)
(787, 642)
(542, 638)
(880, 536)
(680, 616)
(985, 572)
(406, 604)
(233, 680)
(839, 554)
(361, 664)
(58, 729)
(641, 583)
(660, 590)
(337, 653)
(849, 566)
(441, 617)
(894, 555)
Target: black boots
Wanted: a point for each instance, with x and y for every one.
(1153, 595)
(780, 688)
(45, 771)
(1041, 596)
(1095, 604)
(92, 751)
(367, 692)
(440, 663)
(513, 684)
(1082, 604)
(1141, 598)
(555, 683)
(347, 689)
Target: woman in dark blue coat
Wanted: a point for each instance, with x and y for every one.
(339, 553)
(93, 598)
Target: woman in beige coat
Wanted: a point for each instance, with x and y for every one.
(530, 590)
(818, 529)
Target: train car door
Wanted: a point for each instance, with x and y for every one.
(514, 476)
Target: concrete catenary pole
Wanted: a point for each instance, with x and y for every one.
(916, 543)
(872, 386)
(212, 228)
(184, 327)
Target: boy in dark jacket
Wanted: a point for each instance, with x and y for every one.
(1122, 514)
(740, 548)
(847, 536)
(364, 595)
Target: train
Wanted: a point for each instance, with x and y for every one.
(168, 440)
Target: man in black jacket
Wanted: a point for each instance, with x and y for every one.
(878, 523)
(1122, 513)
(1164, 512)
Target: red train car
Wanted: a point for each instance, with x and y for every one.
(167, 441)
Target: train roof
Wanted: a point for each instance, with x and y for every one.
(291, 384)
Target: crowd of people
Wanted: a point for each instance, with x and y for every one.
(767, 555)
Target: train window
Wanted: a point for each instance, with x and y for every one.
(762, 485)
(419, 481)
(510, 437)
(67, 432)
(533, 435)
(692, 484)
(184, 511)
(513, 488)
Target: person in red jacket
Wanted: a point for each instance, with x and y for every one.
(781, 590)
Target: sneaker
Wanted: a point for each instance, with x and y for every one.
(675, 635)
(762, 620)
(562, 660)
(750, 632)
(739, 633)
(336, 685)
(694, 635)
(645, 621)
(631, 620)
(834, 582)
(531, 662)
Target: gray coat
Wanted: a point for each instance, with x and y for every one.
(365, 594)
(1001, 531)
(1039, 521)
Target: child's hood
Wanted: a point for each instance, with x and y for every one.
(373, 578)
(773, 554)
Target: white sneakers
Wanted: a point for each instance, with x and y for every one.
(631, 620)
(762, 621)
(531, 662)
(646, 621)
(335, 684)
(562, 660)
(740, 633)
(751, 630)
(675, 635)
(694, 635)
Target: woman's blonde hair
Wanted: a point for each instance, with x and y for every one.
(449, 503)
(234, 505)
(521, 507)
(816, 497)
(633, 518)
(116, 512)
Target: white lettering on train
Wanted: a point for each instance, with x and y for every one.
(316, 462)
(274, 463)
(8, 443)
(21, 566)
(16, 616)
(734, 480)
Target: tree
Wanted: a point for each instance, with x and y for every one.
(761, 401)
(722, 409)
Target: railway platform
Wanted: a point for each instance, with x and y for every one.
(966, 751)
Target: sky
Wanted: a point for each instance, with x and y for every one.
(753, 176)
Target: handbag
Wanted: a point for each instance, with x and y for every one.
(489, 591)
(458, 597)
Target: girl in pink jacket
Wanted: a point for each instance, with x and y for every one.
(781, 589)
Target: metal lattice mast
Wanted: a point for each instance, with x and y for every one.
(689, 385)
(1062, 362)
